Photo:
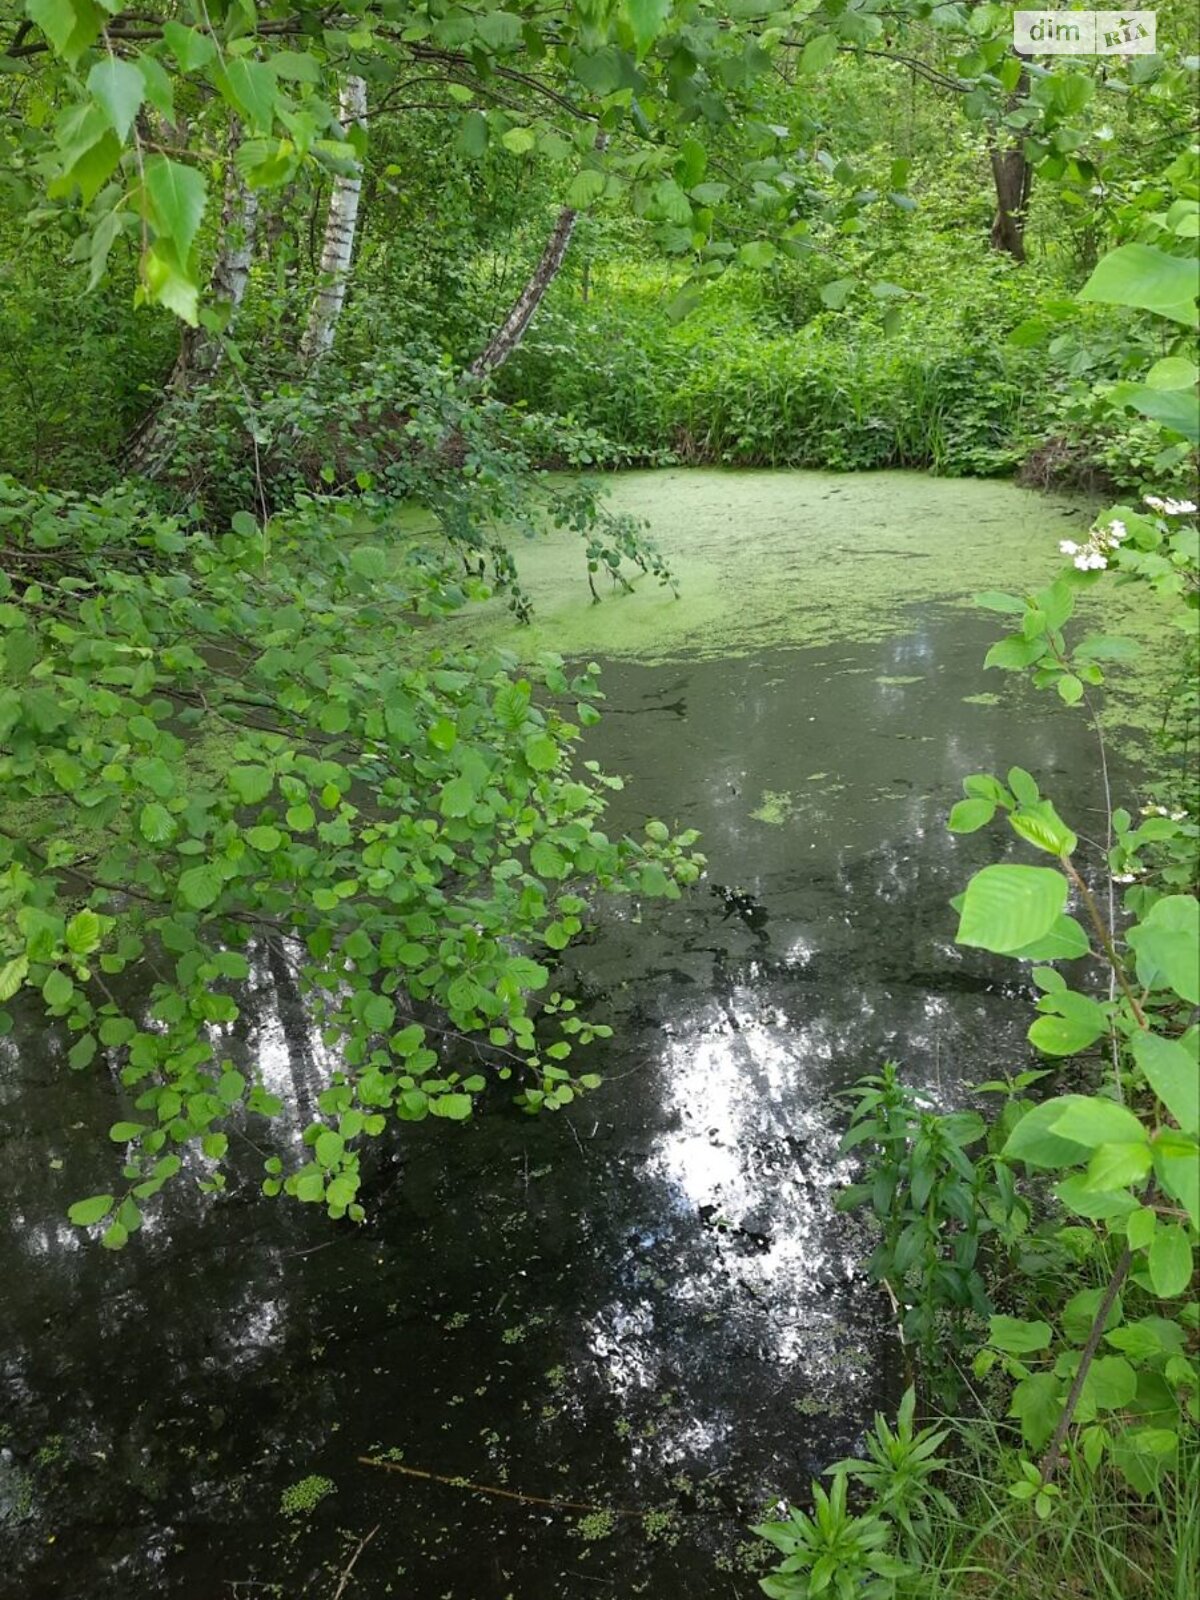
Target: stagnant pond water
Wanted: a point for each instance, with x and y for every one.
(646, 1304)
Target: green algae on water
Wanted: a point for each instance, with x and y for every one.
(776, 808)
(783, 558)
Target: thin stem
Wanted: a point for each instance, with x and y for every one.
(1104, 934)
(1049, 1462)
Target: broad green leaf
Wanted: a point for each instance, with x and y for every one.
(200, 886)
(370, 561)
(191, 47)
(1110, 1385)
(646, 18)
(123, 1132)
(1066, 941)
(457, 1107)
(819, 53)
(84, 1212)
(1139, 275)
(177, 195)
(1090, 1121)
(1167, 945)
(83, 933)
(585, 189)
(1042, 826)
(1018, 1337)
(1035, 1141)
(251, 783)
(1037, 1401)
(70, 25)
(1005, 908)
(119, 87)
(457, 798)
(1173, 1074)
(1063, 1036)
(970, 815)
(1116, 1166)
(251, 88)
(1170, 1261)
(156, 824)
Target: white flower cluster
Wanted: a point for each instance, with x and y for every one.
(1101, 544)
(1170, 508)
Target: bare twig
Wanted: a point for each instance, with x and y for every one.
(349, 1567)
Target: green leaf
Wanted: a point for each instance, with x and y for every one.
(1037, 1401)
(250, 784)
(83, 932)
(1018, 1337)
(70, 25)
(541, 752)
(1090, 1121)
(200, 886)
(819, 53)
(264, 838)
(1005, 908)
(457, 1107)
(970, 815)
(123, 1132)
(1170, 1260)
(329, 1148)
(1035, 1141)
(1116, 1166)
(1042, 826)
(191, 47)
(370, 561)
(378, 1013)
(1139, 275)
(473, 135)
(156, 824)
(1167, 944)
(1173, 1074)
(84, 1212)
(12, 976)
(57, 989)
(457, 798)
(119, 87)
(646, 18)
(1066, 941)
(836, 293)
(1063, 1036)
(250, 86)
(1110, 1385)
(177, 196)
(231, 1086)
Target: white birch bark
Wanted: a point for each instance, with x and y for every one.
(201, 350)
(338, 248)
(524, 308)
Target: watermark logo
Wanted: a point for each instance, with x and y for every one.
(1084, 33)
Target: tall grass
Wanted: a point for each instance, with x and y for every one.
(1104, 1542)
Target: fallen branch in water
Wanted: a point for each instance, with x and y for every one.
(349, 1567)
(506, 1494)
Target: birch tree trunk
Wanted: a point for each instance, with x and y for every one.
(515, 325)
(201, 349)
(341, 223)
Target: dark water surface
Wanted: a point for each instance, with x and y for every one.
(646, 1303)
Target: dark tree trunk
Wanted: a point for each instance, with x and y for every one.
(1013, 177)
